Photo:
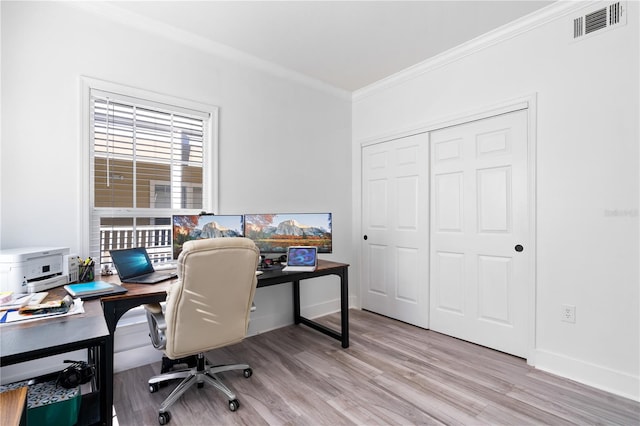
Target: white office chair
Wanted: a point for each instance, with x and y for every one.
(207, 308)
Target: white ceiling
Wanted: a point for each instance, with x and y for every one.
(346, 44)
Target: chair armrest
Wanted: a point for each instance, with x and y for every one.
(157, 325)
(156, 308)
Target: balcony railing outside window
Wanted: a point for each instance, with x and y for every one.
(155, 238)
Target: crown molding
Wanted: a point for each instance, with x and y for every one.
(140, 22)
(513, 29)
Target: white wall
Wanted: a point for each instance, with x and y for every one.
(587, 177)
(277, 131)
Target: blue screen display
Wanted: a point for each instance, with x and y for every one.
(301, 256)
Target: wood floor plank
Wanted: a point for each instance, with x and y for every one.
(392, 374)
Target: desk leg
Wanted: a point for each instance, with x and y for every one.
(107, 383)
(96, 357)
(344, 307)
(296, 302)
(343, 336)
(106, 376)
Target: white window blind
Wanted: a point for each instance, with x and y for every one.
(148, 161)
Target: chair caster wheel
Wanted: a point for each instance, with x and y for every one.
(153, 387)
(248, 372)
(163, 418)
(234, 404)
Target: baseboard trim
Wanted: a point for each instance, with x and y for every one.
(133, 347)
(136, 357)
(597, 376)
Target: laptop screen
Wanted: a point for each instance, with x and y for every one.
(302, 256)
(131, 262)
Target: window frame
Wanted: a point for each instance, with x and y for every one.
(210, 183)
(188, 186)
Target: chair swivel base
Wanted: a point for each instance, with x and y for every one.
(203, 372)
(168, 364)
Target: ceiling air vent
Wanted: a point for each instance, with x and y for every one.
(608, 17)
(595, 21)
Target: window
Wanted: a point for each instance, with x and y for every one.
(191, 194)
(150, 157)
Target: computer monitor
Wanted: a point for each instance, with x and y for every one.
(274, 233)
(194, 227)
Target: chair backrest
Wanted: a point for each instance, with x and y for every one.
(209, 306)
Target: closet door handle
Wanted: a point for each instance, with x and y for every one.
(365, 238)
(519, 248)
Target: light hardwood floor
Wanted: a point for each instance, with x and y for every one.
(392, 374)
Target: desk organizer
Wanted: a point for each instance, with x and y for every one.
(48, 404)
(86, 273)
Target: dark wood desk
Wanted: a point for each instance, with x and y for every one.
(138, 294)
(52, 336)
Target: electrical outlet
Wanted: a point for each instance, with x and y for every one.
(568, 313)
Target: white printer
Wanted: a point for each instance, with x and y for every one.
(34, 269)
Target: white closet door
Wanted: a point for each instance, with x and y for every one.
(395, 236)
(480, 232)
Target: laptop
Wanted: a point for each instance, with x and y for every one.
(134, 266)
(301, 259)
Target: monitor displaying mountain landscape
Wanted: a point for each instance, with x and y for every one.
(195, 227)
(274, 233)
